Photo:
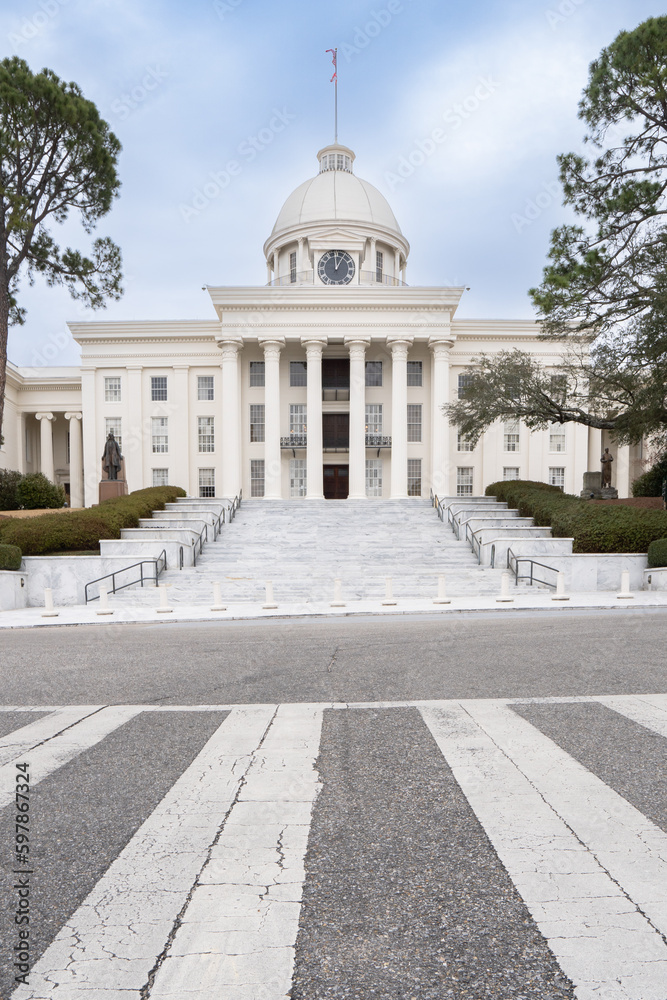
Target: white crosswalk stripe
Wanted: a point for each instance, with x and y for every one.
(205, 899)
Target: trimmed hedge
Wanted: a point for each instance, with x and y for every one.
(650, 484)
(594, 528)
(9, 481)
(73, 530)
(657, 553)
(35, 492)
(10, 557)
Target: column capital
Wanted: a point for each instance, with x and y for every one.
(441, 345)
(315, 341)
(73, 415)
(44, 416)
(272, 346)
(399, 347)
(230, 348)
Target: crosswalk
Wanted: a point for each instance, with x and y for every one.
(469, 848)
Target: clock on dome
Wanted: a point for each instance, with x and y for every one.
(336, 267)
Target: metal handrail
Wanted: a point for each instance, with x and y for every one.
(236, 503)
(451, 519)
(159, 565)
(203, 536)
(513, 566)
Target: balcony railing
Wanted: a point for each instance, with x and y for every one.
(308, 278)
(335, 395)
(378, 441)
(293, 441)
(371, 278)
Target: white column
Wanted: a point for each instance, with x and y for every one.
(397, 265)
(46, 465)
(229, 416)
(20, 442)
(622, 463)
(75, 460)
(594, 449)
(399, 417)
(135, 432)
(272, 456)
(441, 472)
(269, 273)
(180, 430)
(403, 270)
(578, 434)
(276, 264)
(92, 444)
(314, 476)
(301, 258)
(371, 260)
(357, 348)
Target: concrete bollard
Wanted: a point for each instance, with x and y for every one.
(49, 611)
(269, 604)
(505, 597)
(338, 601)
(560, 594)
(442, 591)
(217, 598)
(625, 594)
(104, 608)
(388, 592)
(163, 607)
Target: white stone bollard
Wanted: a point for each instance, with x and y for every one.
(625, 594)
(104, 608)
(217, 598)
(49, 611)
(505, 597)
(442, 591)
(388, 592)
(163, 607)
(338, 601)
(270, 604)
(560, 594)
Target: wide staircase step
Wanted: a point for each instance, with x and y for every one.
(302, 547)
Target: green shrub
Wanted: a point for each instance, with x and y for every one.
(657, 553)
(594, 528)
(9, 481)
(650, 484)
(10, 557)
(74, 530)
(35, 491)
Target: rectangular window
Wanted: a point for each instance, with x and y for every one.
(559, 388)
(557, 476)
(414, 477)
(414, 422)
(374, 418)
(379, 265)
(257, 425)
(160, 477)
(257, 477)
(206, 433)
(511, 435)
(374, 477)
(297, 373)
(257, 373)
(464, 481)
(510, 472)
(557, 437)
(297, 418)
(112, 389)
(292, 267)
(463, 443)
(112, 424)
(297, 477)
(415, 373)
(158, 388)
(463, 383)
(207, 482)
(205, 387)
(373, 373)
(160, 434)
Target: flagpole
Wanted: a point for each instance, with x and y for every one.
(336, 99)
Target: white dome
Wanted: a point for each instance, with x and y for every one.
(336, 196)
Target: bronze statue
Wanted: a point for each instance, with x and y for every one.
(606, 460)
(112, 458)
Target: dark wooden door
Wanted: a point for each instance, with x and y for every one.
(335, 373)
(336, 430)
(336, 482)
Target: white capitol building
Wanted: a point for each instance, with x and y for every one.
(328, 381)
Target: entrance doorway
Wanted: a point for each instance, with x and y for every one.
(336, 431)
(336, 482)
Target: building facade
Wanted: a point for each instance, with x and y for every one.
(327, 382)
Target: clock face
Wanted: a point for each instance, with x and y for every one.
(336, 268)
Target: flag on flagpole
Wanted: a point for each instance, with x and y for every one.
(334, 60)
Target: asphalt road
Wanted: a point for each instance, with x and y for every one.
(357, 659)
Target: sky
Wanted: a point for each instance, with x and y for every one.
(190, 88)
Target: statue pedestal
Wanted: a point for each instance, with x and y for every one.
(594, 490)
(110, 488)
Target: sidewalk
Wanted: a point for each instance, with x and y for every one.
(520, 601)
